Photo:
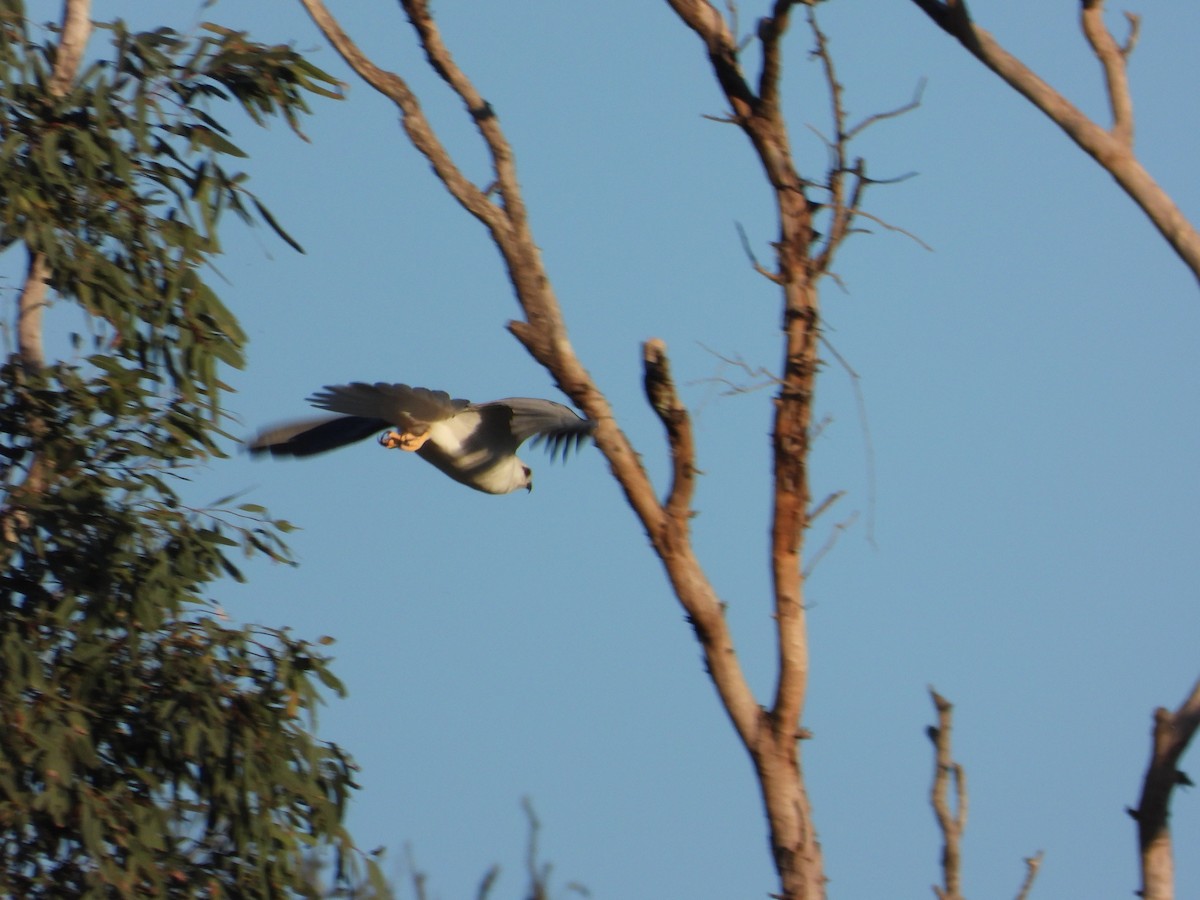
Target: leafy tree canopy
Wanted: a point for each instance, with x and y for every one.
(149, 748)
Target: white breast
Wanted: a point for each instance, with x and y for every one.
(455, 447)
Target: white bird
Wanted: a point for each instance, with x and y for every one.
(474, 443)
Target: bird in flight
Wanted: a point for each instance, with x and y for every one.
(474, 443)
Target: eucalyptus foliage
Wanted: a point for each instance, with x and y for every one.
(147, 747)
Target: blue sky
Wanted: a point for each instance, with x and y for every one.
(1029, 546)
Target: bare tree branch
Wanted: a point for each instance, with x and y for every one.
(1173, 731)
(30, 306)
(74, 32)
(777, 757)
(845, 209)
(770, 31)
(704, 19)
(479, 109)
(1113, 151)
(416, 126)
(951, 816)
(843, 212)
(1032, 865)
(660, 391)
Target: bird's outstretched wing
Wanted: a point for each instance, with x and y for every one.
(308, 437)
(559, 427)
(398, 404)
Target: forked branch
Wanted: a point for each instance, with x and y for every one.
(948, 796)
(1113, 59)
(416, 126)
(846, 181)
(1113, 150)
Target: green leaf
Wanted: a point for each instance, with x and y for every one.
(211, 138)
(275, 226)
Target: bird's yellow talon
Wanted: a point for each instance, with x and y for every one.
(395, 440)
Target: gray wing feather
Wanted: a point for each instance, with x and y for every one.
(307, 437)
(558, 427)
(398, 404)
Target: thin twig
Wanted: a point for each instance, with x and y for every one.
(538, 874)
(825, 505)
(416, 876)
(862, 213)
(758, 267)
(830, 542)
(1135, 30)
(731, 9)
(860, 402)
(1112, 60)
(908, 107)
(768, 378)
(1032, 865)
(895, 179)
(837, 113)
(844, 210)
(842, 214)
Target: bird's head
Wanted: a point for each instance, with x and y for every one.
(509, 476)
